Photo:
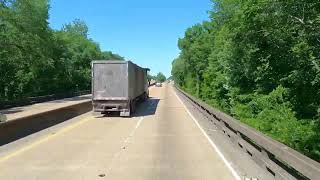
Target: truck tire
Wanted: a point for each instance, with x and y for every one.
(132, 106)
(145, 96)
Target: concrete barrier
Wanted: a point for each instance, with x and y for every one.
(40, 99)
(3, 118)
(23, 126)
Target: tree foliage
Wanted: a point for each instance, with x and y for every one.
(259, 61)
(36, 60)
(160, 77)
(150, 77)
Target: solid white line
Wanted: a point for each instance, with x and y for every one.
(234, 173)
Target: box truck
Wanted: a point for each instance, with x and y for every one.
(117, 86)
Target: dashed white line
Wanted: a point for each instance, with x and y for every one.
(123, 147)
(135, 129)
(228, 164)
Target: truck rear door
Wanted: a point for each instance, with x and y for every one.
(110, 81)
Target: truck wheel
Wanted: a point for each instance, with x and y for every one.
(145, 96)
(132, 106)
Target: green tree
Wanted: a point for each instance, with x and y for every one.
(25, 48)
(161, 77)
(108, 55)
(150, 77)
(78, 27)
(258, 61)
(36, 60)
(80, 51)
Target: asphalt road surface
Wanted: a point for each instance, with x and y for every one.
(161, 141)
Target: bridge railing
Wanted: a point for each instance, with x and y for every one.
(39, 99)
(280, 160)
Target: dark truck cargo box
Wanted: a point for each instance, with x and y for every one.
(117, 86)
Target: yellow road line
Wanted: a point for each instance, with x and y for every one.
(45, 139)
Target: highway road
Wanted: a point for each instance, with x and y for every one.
(162, 140)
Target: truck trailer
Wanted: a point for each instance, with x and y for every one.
(117, 86)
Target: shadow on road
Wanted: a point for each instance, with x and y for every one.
(145, 108)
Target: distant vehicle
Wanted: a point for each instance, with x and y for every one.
(117, 86)
(158, 84)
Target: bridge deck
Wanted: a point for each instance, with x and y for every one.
(161, 141)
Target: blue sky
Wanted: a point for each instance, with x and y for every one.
(144, 31)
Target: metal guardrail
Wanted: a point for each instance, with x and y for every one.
(280, 160)
(39, 99)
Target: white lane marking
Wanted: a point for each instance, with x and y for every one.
(134, 130)
(123, 147)
(228, 164)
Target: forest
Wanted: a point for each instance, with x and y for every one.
(258, 61)
(38, 60)
(160, 77)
